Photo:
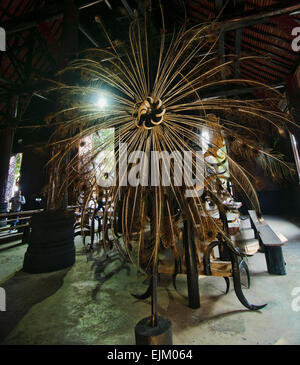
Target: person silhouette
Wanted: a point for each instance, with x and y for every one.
(16, 205)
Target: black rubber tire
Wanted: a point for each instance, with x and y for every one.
(51, 242)
(40, 262)
(50, 248)
(47, 236)
(42, 227)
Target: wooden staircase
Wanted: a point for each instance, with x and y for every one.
(245, 239)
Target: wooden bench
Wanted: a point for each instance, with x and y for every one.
(271, 242)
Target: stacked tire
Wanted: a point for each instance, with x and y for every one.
(51, 242)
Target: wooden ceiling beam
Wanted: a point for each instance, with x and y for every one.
(238, 49)
(249, 43)
(88, 35)
(256, 70)
(238, 41)
(258, 16)
(221, 42)
(267, 39)
(236, 91)
(45, 14)
(128, 8)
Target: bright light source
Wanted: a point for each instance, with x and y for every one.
(102, 102)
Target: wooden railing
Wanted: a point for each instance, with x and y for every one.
(12, 233)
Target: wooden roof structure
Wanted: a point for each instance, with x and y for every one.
(37, 32)
(261, 27)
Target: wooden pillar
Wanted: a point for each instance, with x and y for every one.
(293, 95)
(69, 49)
(6, 142)
(33, 177)
(70, 32)
(275, 260)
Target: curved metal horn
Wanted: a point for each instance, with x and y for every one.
(243, 265)
(227, 284)
(177, 270)
(206, 257)
(238, 287)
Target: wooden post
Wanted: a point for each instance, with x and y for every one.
(274, 259)
(69, 49)
(6, 142)
(191, 266)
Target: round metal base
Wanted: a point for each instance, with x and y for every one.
(145, 334)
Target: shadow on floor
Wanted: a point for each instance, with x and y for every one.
(291, 219)
(23, 291)
(259, 273)
(100, 265)
(192, 317)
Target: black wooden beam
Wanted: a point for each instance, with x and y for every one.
(17, 65)
(225, 92)
(258, 17)
(268, 41)
(88, 35)
(51, 56)
(45, 14)
(266, 52)
(29, 56)
(70, 25)
(218, 6)
(269, 37)
(128, 8)
(258, 71)
(89, 4)
(238, 48)
(238, 41)
(222, 52)
(4, 10)
(221, 44)
(30, 20)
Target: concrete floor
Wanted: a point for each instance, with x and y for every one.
(90, 303)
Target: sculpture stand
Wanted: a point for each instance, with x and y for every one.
(154, 330)
(161, 334)
(191, 267)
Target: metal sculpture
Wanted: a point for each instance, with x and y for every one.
(157, 103)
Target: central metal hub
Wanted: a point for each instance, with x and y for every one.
(149, 113)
